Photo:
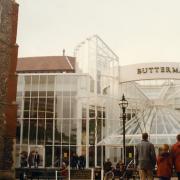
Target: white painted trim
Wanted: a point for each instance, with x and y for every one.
(69, 62)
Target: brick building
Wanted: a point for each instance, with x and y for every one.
(8, 84)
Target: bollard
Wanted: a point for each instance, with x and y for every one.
(56, 175)
(102, 174)
(92, 173)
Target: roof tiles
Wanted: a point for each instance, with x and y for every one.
(46, 64)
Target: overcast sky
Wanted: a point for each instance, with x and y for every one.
(136, 30)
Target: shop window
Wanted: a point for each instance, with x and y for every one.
(18, 131)
(73, 137)
(41, 131)
(91, 156)
(25, 131)
(48, 156)
(58, 133)
(49, 131)
(92, 131)
(33, 131)
(26, 104)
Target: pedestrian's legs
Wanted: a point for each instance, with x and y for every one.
(142, 174)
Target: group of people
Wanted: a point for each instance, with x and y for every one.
(32, 160)
(77, 162)
(167, 158)
(146, 161)
(118, 170)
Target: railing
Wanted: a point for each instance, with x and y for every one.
(76, 174)
(59, 176)
(89, 174)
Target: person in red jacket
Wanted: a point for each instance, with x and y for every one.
(164, 163)
(64, 170)
(176, 155)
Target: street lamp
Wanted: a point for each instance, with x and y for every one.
(123, 105)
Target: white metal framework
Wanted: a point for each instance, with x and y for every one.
(64, 113)
(156, 113)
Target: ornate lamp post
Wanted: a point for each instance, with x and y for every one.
(123, 105)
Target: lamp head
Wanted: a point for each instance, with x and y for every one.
(123, 102)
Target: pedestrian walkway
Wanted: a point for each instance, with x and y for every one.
(174, 178)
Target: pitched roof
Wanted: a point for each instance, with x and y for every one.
(46, 64)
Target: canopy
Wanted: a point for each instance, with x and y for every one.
(162, 125)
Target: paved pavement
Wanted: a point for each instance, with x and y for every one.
(110, 179)
(174, 178)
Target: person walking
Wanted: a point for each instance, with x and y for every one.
(145, 158)
(119, 171)
(81, 162)
(36, 159)
(23, 160)
(107, 166)
(176, 155)
(74, 161)
(30, 159)
(108, 169)
(64, 171)
(164, 163)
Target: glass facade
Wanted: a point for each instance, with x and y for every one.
(60, 114)
(57, 117)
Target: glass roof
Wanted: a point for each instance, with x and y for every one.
(160, 118)
(163, 124)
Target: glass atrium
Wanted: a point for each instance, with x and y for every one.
(156, 111)
(64, 113)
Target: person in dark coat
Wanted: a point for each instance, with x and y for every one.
(145, 158)
(164, 163)
(36, 159)
(107, 166)
(23, 160)
(74, 161)
(119, 169)
(81, 162)
(175, 151)
(30, 159)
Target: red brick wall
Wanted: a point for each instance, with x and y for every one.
(8, 85)
(11, 108)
